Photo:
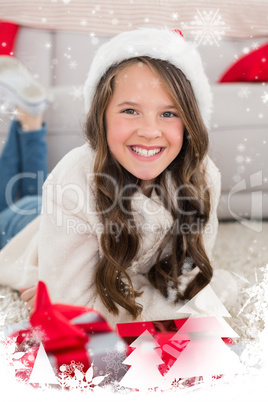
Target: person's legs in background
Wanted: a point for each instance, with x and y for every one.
(23, 163)
(25, 152)
(23, 169)
(31, 132)
(9, 166)
(14, 219)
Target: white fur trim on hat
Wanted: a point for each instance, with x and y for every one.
(156, 43)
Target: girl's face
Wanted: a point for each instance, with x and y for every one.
(144, 130)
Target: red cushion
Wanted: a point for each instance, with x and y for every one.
(252, 67)
(8, 32)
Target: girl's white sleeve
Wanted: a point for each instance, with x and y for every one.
(68, 247)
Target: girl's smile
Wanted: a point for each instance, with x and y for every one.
(146, 153)
(144, 130)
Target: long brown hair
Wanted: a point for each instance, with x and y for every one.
(186, 171)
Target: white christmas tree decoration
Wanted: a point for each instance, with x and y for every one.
(143, 373)
(205, 303)
(42, 372)
(206, 354)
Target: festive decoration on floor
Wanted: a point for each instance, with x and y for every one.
(72, 347)
(162, 331)
(42, 372)
(191, 348)
(69, 334)
(143, 373)
(195, 352)
(73, 377)
(205, 303)
(206, 354)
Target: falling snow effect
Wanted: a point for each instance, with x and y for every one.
(48, 45)
(241, 160)
(244, 92)
(83, 22)
(265, 97)
(241, 147)
(77, 92)
(175, 16)
(73, 64)
(208, 28)
(6, 110)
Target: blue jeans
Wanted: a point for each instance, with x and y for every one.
(23, 170)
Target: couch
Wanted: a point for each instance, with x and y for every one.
(239, 129)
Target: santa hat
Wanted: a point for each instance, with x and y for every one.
(156, 43)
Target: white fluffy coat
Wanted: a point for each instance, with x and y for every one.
(62, 246)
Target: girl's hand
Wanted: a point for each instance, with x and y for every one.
(28, 296)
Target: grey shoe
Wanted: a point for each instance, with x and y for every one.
(19, 88)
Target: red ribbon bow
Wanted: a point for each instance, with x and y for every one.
(59, 335)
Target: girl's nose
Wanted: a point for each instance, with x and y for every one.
(149, 128)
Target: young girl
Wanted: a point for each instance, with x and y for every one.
(129, 219)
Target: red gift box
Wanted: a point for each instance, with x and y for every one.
(72, 336)
(162, 331)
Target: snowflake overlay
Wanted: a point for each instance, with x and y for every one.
(77, 92)
(244, 92)
(114, 365)
(73, 377)
(254, 324)
(265, 97)
(6, 109)
(241, 160)
(257, 297)
(208, 27)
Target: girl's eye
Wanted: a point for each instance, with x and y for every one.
(168, 114)
(130, 111)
